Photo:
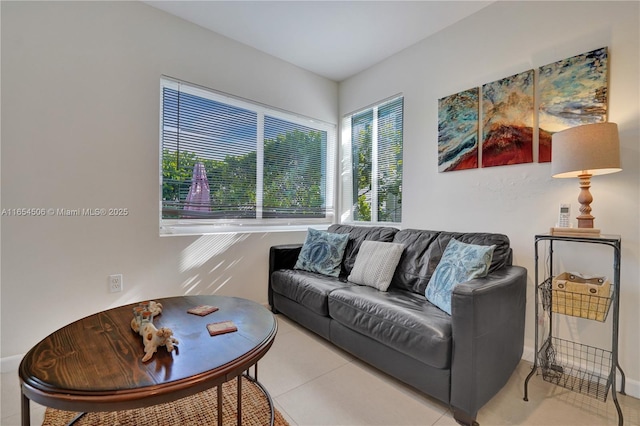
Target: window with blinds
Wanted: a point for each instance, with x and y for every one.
(229, 161)
(375, 136)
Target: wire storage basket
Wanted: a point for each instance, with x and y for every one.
(571, 294)
(577, 367)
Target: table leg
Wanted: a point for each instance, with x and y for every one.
(239, 402)
(247, 374)
(26, 411)
(76, 418)
(220, 405)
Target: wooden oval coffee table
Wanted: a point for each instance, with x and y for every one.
(95, 364)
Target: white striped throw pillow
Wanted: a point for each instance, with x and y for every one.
(375, 264)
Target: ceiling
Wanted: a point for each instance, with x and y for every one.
(335, 39)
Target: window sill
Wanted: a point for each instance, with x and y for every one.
(190, 229)
(388, 224)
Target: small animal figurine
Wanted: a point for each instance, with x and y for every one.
(151, 308)
(153, 338)
(155, 308)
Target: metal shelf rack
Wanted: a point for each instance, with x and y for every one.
(581, 368)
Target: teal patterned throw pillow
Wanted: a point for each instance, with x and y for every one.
(460, 263)
(322, 252)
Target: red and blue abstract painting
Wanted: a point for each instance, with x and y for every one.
(573, 92)
(507, 131)
(458, 131)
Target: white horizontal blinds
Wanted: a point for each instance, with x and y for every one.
(376, 155)
(361, 148)
(389, 170)
(253, 163)
(223, 137)
(295, 170)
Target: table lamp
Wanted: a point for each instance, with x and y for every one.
(582, 152)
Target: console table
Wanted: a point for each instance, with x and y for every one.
(95, 363)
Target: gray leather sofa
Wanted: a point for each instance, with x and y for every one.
(462, 359)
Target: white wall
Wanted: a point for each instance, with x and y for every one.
(521, 200)
(80, 109)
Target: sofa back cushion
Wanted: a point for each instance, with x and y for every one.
(424, 249)
(358, 234)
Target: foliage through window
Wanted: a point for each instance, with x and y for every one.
(375, 136)
(230, 161)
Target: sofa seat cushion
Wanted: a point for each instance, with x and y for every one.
(306, 288)
(400, 319)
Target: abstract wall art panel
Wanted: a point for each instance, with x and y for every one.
(507, 130)
(573, 92)
(458, 131)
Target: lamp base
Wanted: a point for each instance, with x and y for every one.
(575, 232)
(585, 221)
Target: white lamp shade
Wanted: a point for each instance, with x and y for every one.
(591, 148)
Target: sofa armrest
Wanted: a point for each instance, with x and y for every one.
(282, 257)
(488, 323)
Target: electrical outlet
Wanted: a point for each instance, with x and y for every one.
(115, 283)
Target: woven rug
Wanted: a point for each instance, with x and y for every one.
(199, 409)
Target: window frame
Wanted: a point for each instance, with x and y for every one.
(189, 226)
(347, 181)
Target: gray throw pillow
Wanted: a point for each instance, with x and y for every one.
(375, 264)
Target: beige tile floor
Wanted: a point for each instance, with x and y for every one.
(314, 383)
